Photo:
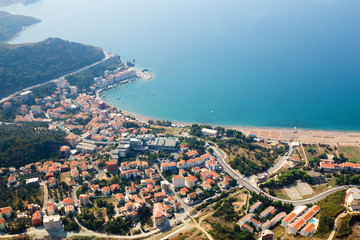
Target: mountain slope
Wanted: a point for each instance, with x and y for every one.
(10, 25)
(25, 65)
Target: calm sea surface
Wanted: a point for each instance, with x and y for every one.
(276, 63)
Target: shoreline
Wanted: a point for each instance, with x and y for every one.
(305, 136)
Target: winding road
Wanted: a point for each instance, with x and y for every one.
(221, 156)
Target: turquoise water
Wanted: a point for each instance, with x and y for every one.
(273, 63)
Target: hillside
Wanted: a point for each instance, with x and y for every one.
(28, 143)
(11, 25)
(25, 65)
(10, 2)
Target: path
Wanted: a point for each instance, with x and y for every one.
(305, 157)
(46, 194)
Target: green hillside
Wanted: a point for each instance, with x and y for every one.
(10, 25)
(25, 65)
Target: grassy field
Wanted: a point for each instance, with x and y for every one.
(315, 150)
(279, 231)
(280, 193)
(350, 152)
(64, 177)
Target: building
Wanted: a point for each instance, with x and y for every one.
(178, 181)
(112, 166)
(72, 139)
(84, 199)
(2, 224)
(6, 211)
(267, 212)
(52, 222)
(68, 201)
(120, 198)
(159, 196)
(310, 228)
(32, 182)
(26, 96)
(106, 191)
(158, 214)
(270, 223)
(266, 235)
(69, 209)
(245, 219)
(208, 132)
(86, 148)
(165, 185)
(168, 166)
(190, 181)
(292, 216)
(353, 199)
(255, 206)
(36, 218)
(303, 219)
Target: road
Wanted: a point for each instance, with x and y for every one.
(279, 164)
(220, 157)
(106, 57)
(186, 207)
(46, 194)
(305, 157)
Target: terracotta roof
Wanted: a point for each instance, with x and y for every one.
(68, 201)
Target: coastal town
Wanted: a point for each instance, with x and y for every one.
(121, 175)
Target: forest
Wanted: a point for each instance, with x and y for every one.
(26, 65)
(28, 143)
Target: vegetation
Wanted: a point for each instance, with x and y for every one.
(89, 220)
(85, 79)
(28, 143)
(226, 210)
(246, 156)
(287, 178)
(193, 143)
(345, 225)
(346, 179)
(26, 65)
(330, 208)
(10, 25)
(145, 216)
(118, 226)
(223, 232)
(281, 207)
(18, 226)
(69, 224)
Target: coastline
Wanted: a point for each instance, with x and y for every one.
(306, 136)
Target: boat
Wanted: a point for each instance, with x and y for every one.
(118, 98)
(153, 93)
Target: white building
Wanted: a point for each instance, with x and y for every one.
(52, 222)
(353, 198)
(208, 132)
(178, 181)
(26, 96)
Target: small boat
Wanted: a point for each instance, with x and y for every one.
(118, 98)
(153, 93)
(212, 111)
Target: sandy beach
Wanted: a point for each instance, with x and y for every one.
(307, 136)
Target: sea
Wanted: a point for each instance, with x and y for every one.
(261, 63)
